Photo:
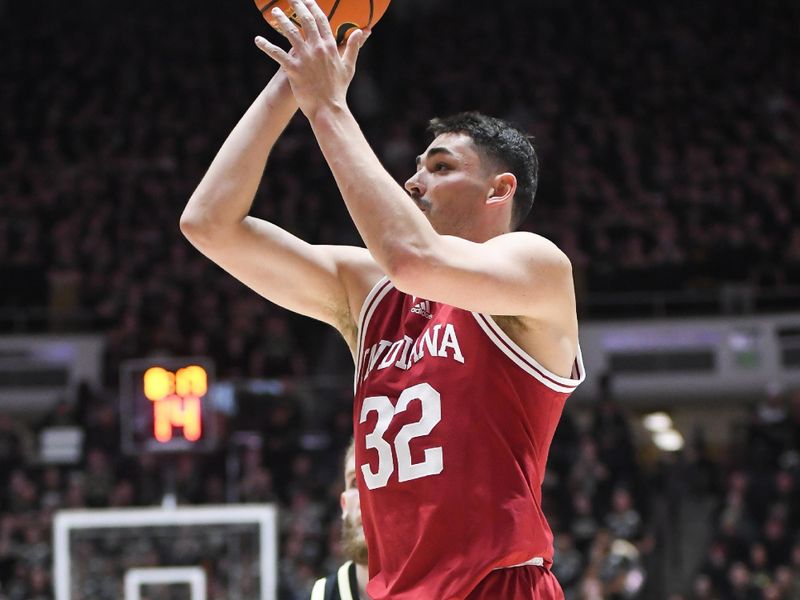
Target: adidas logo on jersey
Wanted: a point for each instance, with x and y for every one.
(423, 308)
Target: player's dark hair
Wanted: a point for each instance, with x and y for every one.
(507, 146)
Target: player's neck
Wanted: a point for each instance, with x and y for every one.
(362, 576)
(479, 235)
(480, 229)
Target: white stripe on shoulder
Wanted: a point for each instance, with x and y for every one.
(376, 294)
(526, 362)
(343, 578)
(318, 592)
(372, 293)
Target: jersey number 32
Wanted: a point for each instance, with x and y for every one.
(433, 462)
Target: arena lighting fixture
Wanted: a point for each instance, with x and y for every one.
(657, 421)
(668, 441)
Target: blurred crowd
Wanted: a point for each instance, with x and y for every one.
(669, 136)
(593, 495)
(284, 459)
(754, 553)
(614, 513)
(598, 507)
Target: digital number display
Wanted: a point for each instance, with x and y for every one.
(165, 405)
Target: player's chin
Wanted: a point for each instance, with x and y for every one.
(354, 544)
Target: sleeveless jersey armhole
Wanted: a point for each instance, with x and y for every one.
(376, 294)
(526, 362)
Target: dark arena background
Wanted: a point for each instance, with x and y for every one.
(669, 140)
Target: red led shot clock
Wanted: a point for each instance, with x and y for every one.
(165, 405)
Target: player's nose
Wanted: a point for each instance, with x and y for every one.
(414, 186)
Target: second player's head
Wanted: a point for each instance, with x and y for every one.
(477, 178)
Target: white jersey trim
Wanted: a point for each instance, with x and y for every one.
(343, 579)
(371, 302)
(526, 362)
(536, 561)
(318, 592)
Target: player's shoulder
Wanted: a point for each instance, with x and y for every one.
(355, 261)
(337, 586)
(358, 271)
(323, 588)
(533, 246)
(349, 255)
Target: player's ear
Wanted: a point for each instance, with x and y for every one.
(503, 187)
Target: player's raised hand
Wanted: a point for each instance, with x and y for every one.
(318, 71)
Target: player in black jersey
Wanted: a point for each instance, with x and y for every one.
(349, 582)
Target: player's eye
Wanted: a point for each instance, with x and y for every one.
(440, 166)
(351, 484)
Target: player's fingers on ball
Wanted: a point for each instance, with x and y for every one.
(321, 18)
(353, 45)
(285, 27)
(307, 20)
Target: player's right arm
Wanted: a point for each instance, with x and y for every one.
(323, 282)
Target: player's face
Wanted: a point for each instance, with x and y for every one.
(351, 506)
(451, 184)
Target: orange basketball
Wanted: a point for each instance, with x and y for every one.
(345, 16)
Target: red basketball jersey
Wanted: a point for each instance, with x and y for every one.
(453, 423)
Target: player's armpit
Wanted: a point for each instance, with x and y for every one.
(518, 274)
(322, 282)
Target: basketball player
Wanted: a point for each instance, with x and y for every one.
(350, 581)
(463, 330)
